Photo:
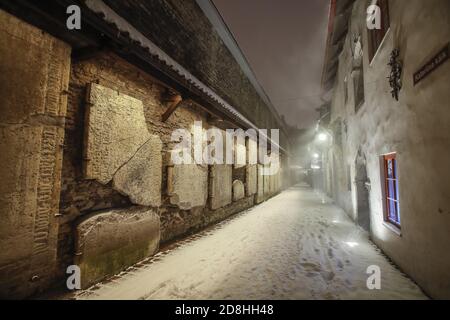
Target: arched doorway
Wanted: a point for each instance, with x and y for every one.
(362, 184)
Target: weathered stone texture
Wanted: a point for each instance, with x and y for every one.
(251, 178)
(108, 242)
(238, 190)
(240, 154)
(79, 196)
(260, 189)
(188, 186)
(267, 186)
(171, 24)
(221, 185)
(34, 72)
(140, 178)
(115, 131)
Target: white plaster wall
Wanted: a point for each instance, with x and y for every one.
(417, 127)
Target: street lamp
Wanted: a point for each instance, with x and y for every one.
(322, 137)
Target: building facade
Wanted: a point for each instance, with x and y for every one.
(388, 163)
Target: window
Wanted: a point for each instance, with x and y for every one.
(376, 36)
(392, 213)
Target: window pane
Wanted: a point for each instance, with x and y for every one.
(392, 210)
(390, 168)
(391, 189)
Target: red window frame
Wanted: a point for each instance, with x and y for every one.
(376, 36)
(391, 191)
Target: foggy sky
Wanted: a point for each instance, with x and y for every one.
(284, 42)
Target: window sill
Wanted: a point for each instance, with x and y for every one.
(393, 228)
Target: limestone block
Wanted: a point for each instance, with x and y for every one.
(140, 178)
(267, 185)
(108, 242)
(251, 176)
(188, 186)
(238, 190)
(115, 131)
(34, 73)
(260, 189)
(240, 154)
(221, 180)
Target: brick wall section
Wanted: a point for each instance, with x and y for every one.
(182, 30)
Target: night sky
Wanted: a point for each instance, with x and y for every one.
(284, 42)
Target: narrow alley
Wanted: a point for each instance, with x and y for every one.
(224, 150)
(297, 245)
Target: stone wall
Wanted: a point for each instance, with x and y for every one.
(184, 188)
(416, 127)
(170, 24)
(34, 73)
(84, 149)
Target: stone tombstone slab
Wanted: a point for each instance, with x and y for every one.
(267, 186)
(221, 185)
(260, 189)
(141, 177)
(115, 131)
(240, 154)
(251, 176)
(188, 186)
(108, 242)
(238, 190)
(34, 77)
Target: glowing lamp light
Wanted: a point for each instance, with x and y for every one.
(316, 156)
(322, 137)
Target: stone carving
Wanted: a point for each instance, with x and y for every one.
(251, 176)
(238, 190)
(267, 186)
(188, 186)
(35, 72)
(115, 131)
(108, 242)
(120, 148)
(240, 153)
(140, 178)
(260, 189)
(221, 180)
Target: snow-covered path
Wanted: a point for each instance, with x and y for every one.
(294, 246)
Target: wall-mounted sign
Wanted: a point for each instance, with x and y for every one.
(432, 65)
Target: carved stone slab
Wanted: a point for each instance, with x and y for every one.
(238, 190)
(108, 242)
(251, 174)
(188, 186)
(34, 75)
(115, 131)
(140, 178)
(260, 189)
(240, 154)
(221, 180)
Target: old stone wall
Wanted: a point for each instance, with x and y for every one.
(171, 24)
(192, 196)
(415, 127)
(34, 73)
(86, 156)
